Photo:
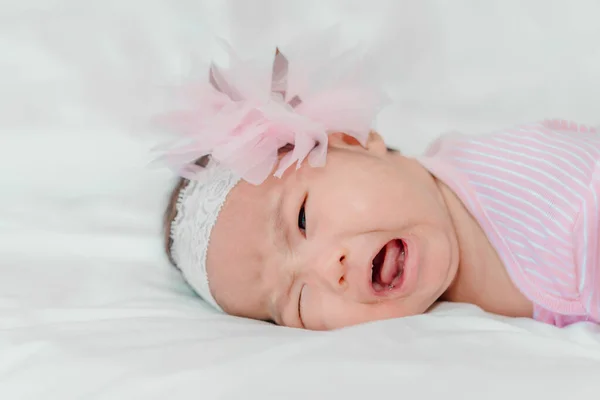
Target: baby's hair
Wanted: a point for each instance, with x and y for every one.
(171, 209)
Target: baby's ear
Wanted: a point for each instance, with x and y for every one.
(342, 139)
(375, 142)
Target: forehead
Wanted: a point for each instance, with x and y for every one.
(241, 249)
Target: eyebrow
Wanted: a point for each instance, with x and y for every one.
(280, 233)
(281, 239)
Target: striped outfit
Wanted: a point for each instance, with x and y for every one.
(535, 191)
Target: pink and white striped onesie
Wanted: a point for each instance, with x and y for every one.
(535, 191)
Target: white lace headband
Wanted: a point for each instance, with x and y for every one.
(198, 207)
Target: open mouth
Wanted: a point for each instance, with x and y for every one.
(388, 266)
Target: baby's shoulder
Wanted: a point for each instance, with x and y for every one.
(547, 169)
(535, 190)
(543, 146)
(536, 135)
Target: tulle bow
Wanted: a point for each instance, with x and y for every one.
(243, 115)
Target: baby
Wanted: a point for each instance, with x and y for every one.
(355, 232)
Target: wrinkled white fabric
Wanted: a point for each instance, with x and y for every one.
(90, 307)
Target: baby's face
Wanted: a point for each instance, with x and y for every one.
(367, 237)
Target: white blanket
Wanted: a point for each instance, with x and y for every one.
(90, 308)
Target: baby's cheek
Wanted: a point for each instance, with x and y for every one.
(313, 308)
(349, 200)
(326, 311)
(319, 309)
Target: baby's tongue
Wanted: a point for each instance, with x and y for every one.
(391, 265)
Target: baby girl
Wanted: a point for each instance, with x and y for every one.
(291, 209)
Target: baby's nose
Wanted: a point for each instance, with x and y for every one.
(342, 272)
(332, 271)
(341, 268)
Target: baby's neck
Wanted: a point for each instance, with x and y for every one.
(481, 278)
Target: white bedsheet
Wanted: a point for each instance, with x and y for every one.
(90, 308)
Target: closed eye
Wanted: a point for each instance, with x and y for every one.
(300, 306)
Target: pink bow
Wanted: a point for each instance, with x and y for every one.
(241, 119)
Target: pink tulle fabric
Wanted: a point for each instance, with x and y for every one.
(244, 114)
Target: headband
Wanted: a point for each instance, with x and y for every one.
(241, 117)
(198, 206)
